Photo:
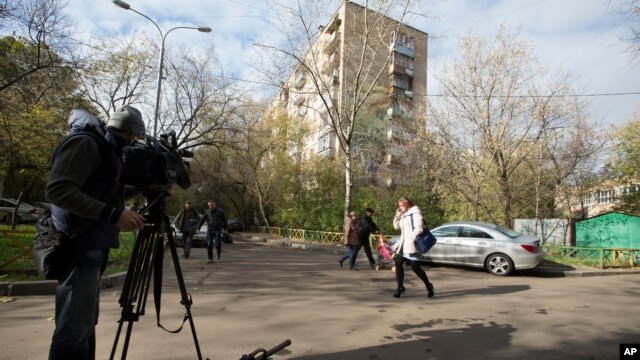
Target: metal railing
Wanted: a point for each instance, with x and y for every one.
(603, 258)
(324, 237)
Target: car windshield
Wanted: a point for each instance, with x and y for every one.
(510, 233)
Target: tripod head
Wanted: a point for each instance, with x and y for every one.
(155, 209)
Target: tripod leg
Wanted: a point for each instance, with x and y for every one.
(186, 300)
(136, 286)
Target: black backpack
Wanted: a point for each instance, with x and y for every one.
(52, 250)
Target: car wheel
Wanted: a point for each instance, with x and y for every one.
(499, 264)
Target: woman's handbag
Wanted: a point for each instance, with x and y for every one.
(425, 240)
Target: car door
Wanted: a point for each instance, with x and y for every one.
(444, 249)
(473, 246)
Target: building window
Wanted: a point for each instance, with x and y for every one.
(604, 196)
(402, 39)
(324, 143)
(402, 60)
(629, 189)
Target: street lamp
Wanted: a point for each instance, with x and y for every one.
(204, 29)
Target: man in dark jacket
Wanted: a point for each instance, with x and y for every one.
(366, 227)
(216, 222)
(87, 203)
(187, 222)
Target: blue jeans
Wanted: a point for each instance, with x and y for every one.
(77, 307)
(211, 235)
(352, 253)
(187, 238)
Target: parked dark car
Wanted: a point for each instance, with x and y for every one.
(200, 238)
(234, 225)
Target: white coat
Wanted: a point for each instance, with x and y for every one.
(408, 232)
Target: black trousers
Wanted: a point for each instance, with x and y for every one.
(364, 241)
(415, 266)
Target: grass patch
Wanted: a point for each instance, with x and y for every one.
(17, 264)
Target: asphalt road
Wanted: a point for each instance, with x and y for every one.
(258, 296)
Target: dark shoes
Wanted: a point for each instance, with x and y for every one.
(186, 256)
(430, 291)
(340, 262)
(399, 292)
(354, 269)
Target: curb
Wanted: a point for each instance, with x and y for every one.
(48, 287)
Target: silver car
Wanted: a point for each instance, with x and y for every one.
(484, 245)
(26, 212)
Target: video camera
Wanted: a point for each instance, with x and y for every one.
(156, 164)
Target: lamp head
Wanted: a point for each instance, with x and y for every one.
(122, 4)
(204, 29)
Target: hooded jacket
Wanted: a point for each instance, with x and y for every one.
(83, 187)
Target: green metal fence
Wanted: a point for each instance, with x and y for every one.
(603, 258)
(593, 257)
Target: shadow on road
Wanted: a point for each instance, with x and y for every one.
(462, 342)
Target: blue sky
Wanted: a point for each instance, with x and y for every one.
(583, 37)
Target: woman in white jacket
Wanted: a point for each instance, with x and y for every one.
(409, 220)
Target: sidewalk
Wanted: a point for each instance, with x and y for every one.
(47, 287)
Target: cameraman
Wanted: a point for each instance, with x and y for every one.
(216, 221)
(87, 203)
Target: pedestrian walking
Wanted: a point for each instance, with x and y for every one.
(216, 222)
(350, 240)
(366, 226)
(409, 220)
(187, 223)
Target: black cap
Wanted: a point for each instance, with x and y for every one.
(369, 210)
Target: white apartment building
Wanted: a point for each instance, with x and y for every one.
(323, 83)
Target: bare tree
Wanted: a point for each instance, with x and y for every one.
(503, 125)
(200, 103)
(40, 23)
(122, 75)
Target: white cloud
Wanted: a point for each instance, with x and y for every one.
(580, 36)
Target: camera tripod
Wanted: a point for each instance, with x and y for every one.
(147, 259)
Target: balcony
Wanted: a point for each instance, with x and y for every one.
(396, 91)
(331, 63)
(332, 43)
(300, 80)
(402, 49)
(395, 111)
(398, 69)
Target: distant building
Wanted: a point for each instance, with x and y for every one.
(602, 198)
(327, 69)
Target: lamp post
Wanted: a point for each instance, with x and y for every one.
(163, 37)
